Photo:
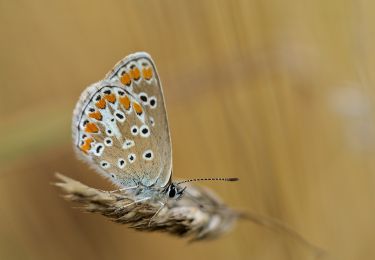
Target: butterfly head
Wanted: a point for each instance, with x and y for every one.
(175, 191)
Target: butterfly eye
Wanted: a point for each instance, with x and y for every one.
(172, 191)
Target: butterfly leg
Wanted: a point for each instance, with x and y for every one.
(156, 213)
(124, 189)
(134, 202)
(120, 190)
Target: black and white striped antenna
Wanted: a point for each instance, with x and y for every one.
(209, 179)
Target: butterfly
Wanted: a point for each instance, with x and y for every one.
(120, 127)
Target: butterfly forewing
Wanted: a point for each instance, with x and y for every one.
(120, 124)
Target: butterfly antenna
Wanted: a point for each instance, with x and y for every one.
(209, 179)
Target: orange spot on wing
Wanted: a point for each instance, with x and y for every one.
(97, 115)
(101, 103)
(135, 73)
(125, 101)
(111, 98)
(147, 73)
(125, 79)
(137, 107)
(87, 145)
(91, 128)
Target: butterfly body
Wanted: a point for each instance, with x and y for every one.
(157, 194)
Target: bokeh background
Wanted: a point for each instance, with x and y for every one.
(278, 93)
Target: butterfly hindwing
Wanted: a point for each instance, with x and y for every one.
(120, 125)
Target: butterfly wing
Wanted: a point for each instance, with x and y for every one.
(120, 125)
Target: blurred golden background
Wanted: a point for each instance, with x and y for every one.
(277, 93)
